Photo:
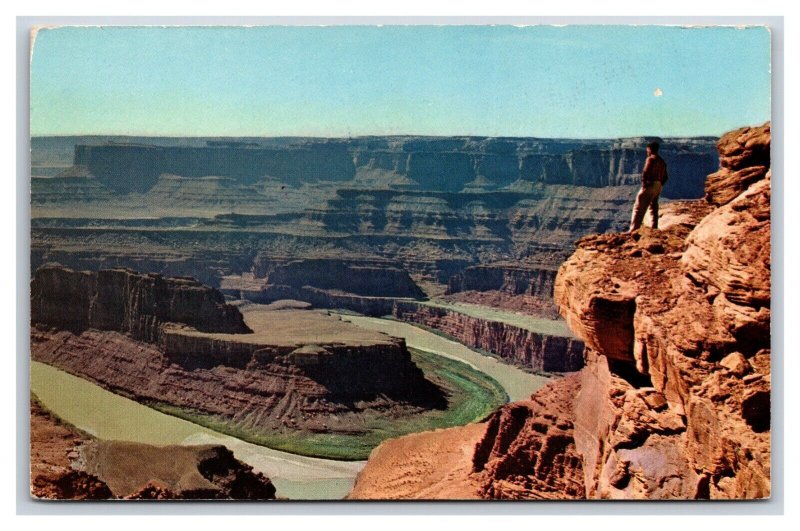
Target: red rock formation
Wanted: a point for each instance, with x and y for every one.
(128, 302)
(680, 373)
(69, 464)
(147, 337)
(674, 400)
(54, 446)
(516, 345)
(432, 465)
(528, 449)
(262, 392)
(744, 158)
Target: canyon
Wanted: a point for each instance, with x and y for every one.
(255, 252)
(431, 206)
(283, 375)
(674, 399)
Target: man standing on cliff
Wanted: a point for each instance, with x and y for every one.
(654, 176)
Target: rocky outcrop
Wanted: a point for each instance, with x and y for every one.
(744, 157)
(511, 279)
(433, 465)
(67, 464)
(128, 302)
(137, 471)
(674, 398)
(53, 447)
(675, 395)
(528, 449)
(538, 351)
(358, 279)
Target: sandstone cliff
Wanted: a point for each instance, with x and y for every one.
(677, 322)
(174, 343)
(128, 302)
(512, 279)
(358, 279)
(674, 400)
(537, 350)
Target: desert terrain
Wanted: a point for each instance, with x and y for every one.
(378, 317)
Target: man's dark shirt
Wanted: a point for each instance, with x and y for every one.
(655, 169)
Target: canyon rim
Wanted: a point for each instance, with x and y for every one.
(354, 262)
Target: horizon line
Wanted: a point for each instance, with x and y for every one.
(346, 137)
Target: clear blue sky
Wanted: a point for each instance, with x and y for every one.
(573, 81)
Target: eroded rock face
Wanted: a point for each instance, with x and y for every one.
(141, 471)
(128, 302)
(675, 395)
(53, 447)
(674, 400)
(516, 345)
(176, 343)
(262, 390)
(69, 464)
(630, 441)
(744, 158)
(528, 450)
(510, 279)
(365, 280)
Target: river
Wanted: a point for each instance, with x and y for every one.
(109, 416)
(518, 384)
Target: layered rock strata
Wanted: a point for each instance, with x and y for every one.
(210, 208)
(320, 298)
(528, 449)
(357, 279)
(509, 278)
(678, 326)
(174, 342)
(447, 164)
(674, 400)
(538, 351)
(128, 302)
(512, 286)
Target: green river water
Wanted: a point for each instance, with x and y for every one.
(110, 416)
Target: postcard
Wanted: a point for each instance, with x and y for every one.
(427, 262)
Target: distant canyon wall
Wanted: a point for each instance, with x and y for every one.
(511, 279)
(431, 206)
(433, 164)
